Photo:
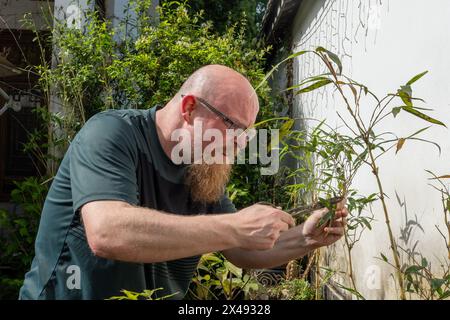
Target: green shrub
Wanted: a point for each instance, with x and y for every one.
(218, 279)
(18, 231)
(296, 289)
(94, 73)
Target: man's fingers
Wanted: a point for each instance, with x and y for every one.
(317, 215)
(283, 216)
(341, 213)
(339, 231)
(286, 218)
(283, 227)
(336, 223)
(341, 204)
(339, 220)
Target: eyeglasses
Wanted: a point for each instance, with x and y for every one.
(247, 133)
(230, 123)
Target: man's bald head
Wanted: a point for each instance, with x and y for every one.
(230, 93)
(226, 89)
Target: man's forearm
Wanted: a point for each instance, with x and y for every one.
(143, 235)
(291, 245)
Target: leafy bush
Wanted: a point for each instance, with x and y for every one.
(216, 278)
(18, 231)
(145, 295)
(296, 289)
(92, 72)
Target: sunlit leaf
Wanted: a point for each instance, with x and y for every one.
(258, 124)
(269, 74)
(314, 86)
(334, 57)
(308, 80)
(445, 295)
(422, 115)
(418, 132)
(233, 269)
(405, 93)
(285, 128)
(417, 77)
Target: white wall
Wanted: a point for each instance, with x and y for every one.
(383, 44)
(120, 11)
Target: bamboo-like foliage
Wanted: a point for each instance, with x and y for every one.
(337, 158)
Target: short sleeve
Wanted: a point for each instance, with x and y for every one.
(103, 162)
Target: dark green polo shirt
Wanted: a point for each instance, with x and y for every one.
(115, 156)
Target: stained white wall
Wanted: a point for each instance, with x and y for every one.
(383, 44)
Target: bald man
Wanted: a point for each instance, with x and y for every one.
(120, 214)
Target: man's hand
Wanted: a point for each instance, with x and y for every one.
(258, 227)
(327, 234)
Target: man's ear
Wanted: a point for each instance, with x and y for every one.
(187, 107)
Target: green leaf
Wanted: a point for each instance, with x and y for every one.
(421, 115)
(258, 124)
(367, 224)
(314, 86)
(384, 257)
(436, 283)
(308, 80)
(130, 294)
(407, 90)
(355, 93)
(323, 154)
(405, 93)
(445, 295)
(413, 269)
(233, 269)
(396, 111)
(285, 128)
(424, 263)
(269, 74)
(334, 57)
(415, 78)
(355, 292)
(325, 219)
(417, 132)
